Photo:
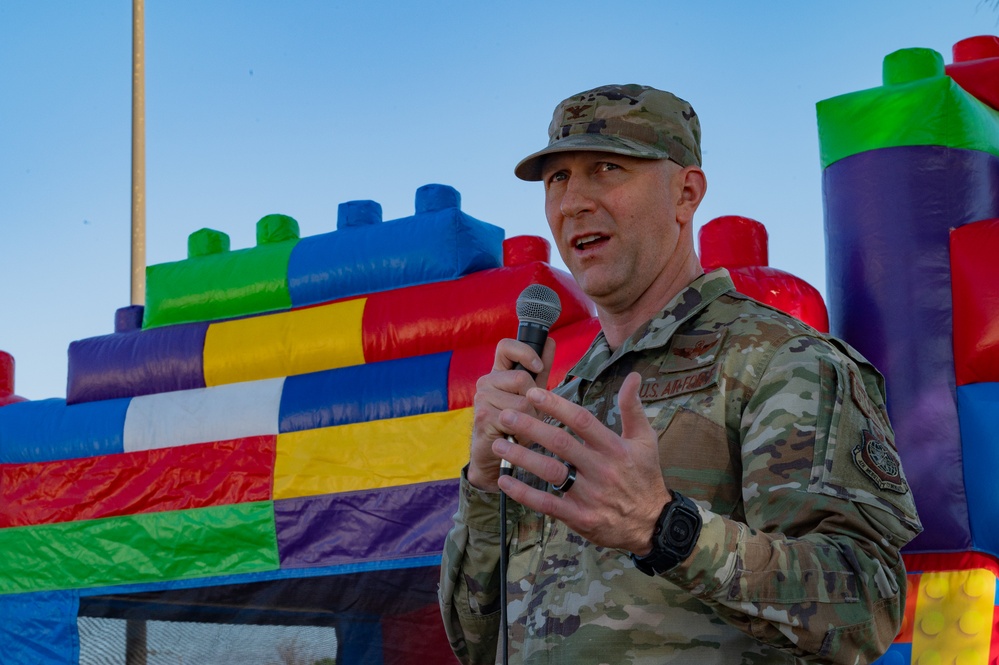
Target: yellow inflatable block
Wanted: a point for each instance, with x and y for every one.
(953, 622)
(381, 453)
(285, 344)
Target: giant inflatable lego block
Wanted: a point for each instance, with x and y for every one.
(951, 611)
(979, 409)
(177, 478)
(45, 430)
(975, 284)
(154, 546)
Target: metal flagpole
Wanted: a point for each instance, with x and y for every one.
(136, 646)
(138, 280)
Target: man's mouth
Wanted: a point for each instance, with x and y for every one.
(586, 242)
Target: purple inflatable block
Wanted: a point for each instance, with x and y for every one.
(888, 214)
(391, 523)
(137, 363)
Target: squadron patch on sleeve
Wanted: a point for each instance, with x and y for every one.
(879, 462)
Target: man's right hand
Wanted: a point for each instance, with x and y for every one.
(503, 388)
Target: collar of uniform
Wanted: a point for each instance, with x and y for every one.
(658, 331)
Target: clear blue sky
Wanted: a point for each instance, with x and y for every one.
(256, 107)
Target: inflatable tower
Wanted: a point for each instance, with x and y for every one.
(911, 193)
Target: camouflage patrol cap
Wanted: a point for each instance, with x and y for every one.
(633, 120)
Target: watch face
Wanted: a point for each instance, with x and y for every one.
(681, 530)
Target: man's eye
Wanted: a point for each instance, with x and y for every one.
(608, 166)
(558, 176)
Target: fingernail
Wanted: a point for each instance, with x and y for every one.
(507, 418)
(537, 365)
(536, 395)
(500, 446)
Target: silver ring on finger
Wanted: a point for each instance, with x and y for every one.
(570, 478)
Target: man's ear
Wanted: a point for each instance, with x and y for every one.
(693, 186)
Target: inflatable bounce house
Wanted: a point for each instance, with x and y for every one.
(260, 464)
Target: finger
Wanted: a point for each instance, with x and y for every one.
(510, 352)
(634, 422)
(545, 467)
(554, 439)
(576, 418)
(537, 500)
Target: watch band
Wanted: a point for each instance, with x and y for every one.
(673, 538)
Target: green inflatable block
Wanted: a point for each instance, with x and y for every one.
(153, 547)
(219, 286)
(917, 105)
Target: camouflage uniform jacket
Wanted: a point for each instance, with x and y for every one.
(780, 436)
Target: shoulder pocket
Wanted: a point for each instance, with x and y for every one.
(855, 455)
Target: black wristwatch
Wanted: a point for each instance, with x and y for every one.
(673, 538)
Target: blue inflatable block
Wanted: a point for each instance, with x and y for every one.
(978, 409)
(362, 393)
(438, 243)
(39, 628)
(47, 430)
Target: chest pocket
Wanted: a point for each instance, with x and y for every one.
(691, 366)
(682, 396)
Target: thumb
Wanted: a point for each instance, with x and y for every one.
(634, 423)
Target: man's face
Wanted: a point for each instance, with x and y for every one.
(613, 219)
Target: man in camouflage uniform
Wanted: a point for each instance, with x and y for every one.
(739, 457)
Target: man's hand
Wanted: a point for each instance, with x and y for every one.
(504, 388)
(619, 489)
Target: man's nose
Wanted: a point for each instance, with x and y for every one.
(577, 198)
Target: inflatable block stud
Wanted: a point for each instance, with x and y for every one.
(434, 198)
(358, 213)
(911, 64)
(276, 228)
(7, 395)
(207, 241)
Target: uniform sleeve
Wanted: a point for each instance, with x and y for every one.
(469, 587)
(814, 568)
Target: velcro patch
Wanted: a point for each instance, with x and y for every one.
(861, 399)
(693, 350)
(671, 385)
(581, 112)
(879, 462)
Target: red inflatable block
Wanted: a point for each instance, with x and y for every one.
(976, 67)
(177, 478)
(7, 395)
(739, 244)
(975, 289)
(470, 362)
(477, 309)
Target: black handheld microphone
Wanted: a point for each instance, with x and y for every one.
(538, 308)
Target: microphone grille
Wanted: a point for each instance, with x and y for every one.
(539, 304)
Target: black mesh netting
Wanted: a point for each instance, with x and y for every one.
(376, 618)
